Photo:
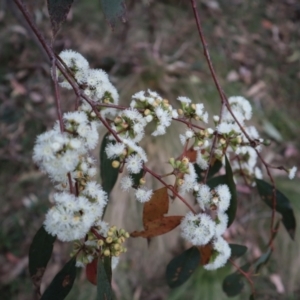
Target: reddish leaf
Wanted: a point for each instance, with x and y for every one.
(158, 227)
(206, 252)
(91, 271)
(191, 154)
(156, 207)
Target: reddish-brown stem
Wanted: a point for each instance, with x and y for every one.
(171, 188)
(104, 122)
(212, 150)
(27, 17)
(189, 124)
(57, 95)
(97, 235)
(206, 52)
(246, 275)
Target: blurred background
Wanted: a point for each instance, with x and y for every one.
(254, 46)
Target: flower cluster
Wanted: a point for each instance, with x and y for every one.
(155, 108)
(80, 202)
(94, 82)
(202, 229)
(64, 156)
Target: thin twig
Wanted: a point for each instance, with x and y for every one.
(171, 188)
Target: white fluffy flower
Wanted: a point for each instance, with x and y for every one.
(143, 194)
(164, 116)
(204, 196)
(70, 219)
(201, 161)
(149, 118)
(126, 183)
(258, 173)
(78, 117)
(221, 223)
(160, 130)
(90, 133)
(134, 164)
(189, 180)
(189, 134)
(139, 96)
(241, 109)
(74, 59)
(114, 150)
(69, 160)
(95, 191)
(102, 227)
(224, 197)
(183, 99)
(197, 229)
(133, 146)
(226, 128)
(175, 114)
(182, 138)
(221, 254)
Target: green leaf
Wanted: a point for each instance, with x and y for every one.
(262, 260)
(237, 250)
(104, 291)
(39, 254)
(215, 168)
(228, 180)
(233, 284)
(114, 10)
(62, 283)
(107, 267)
(109, 175)
(182, 267)
(58, 11)
(283, 205)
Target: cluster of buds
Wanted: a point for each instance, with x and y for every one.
(191, 110)
(104, 242)
(112, 244)
(180, 165)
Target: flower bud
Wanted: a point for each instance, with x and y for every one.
(185, 161)
(180, 111)
(147, 112)
(109, 240)
(106, 252)
(100, 243)
(117, 246)
(115, 164)
(142, 181)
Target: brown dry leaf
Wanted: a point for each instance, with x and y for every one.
(156, 207)
(206, 252)
(191, 154)
(158, 227)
